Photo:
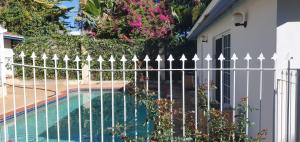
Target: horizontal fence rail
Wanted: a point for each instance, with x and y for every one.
(73, 111)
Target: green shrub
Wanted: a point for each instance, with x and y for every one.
(74, 45)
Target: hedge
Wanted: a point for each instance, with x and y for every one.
(71, 45)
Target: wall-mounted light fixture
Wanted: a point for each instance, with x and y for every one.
(204, 38)
(240, 19)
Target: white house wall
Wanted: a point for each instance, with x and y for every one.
(288, 46)
(259, 36)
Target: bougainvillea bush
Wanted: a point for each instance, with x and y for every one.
(133, 19)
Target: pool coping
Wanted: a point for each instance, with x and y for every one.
(62, 95)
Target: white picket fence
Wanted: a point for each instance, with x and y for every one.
(288, 121)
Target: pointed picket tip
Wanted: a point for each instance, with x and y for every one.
(234, 57)
(66, 58)
(195, 58)
(261, 57)
(274, 57)
(33, 56)
(44, 56)
(22, 54)
(208, 57)
(248, 57)
(170, 58)
(89, 58)
(183, 58)
(158, 58)
(221, 57)
(112, 59)
(100, 59)
(77, 59)
(55, 57)
(123, 59)
(135, 59)
(147, 59)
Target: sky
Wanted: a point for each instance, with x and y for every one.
(73, 13)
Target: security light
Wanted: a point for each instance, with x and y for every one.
(240, 19)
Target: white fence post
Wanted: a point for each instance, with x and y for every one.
(158, 59)
(14, 99)
(221, 59)
(66, 59)
(171, 59)
(77, 60)
(208, 59)
(135, 59)
(33, 56)
(89, 59)
(112, 60)
(55, 59)
(147, 59)
(44, 57)
(195, 59)
(276, 130)
(123, 59)
(22, 55)
(2, 61)
(100, 60)
(234, 58)
(183, 59)
(260, 58)
(247, 58)
(3, 104)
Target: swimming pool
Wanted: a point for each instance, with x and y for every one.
(74, 121)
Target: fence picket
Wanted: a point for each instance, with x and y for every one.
(247, 58)
(22, 55)
(123, 59)
(147, 59)
(66, 59)
(100, 60)
(77, 60)
(3, 104)
(183, 59)
(171, 59)
(208, 59)
(89, 59)
(158, 59)
(14, 100)
(44, 57)
(33, 56)
(234, 58)
(260, 58)
(55, 58)
(112, 60)
(135, 59)
(195, 59)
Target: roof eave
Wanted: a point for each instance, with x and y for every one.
(18, 38)
(215, 9)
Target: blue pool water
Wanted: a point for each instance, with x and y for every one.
(63, 121)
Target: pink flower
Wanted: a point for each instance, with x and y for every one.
(163, 17)
(136, 23)
(157, 10)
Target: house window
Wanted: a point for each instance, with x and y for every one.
(222, 45)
